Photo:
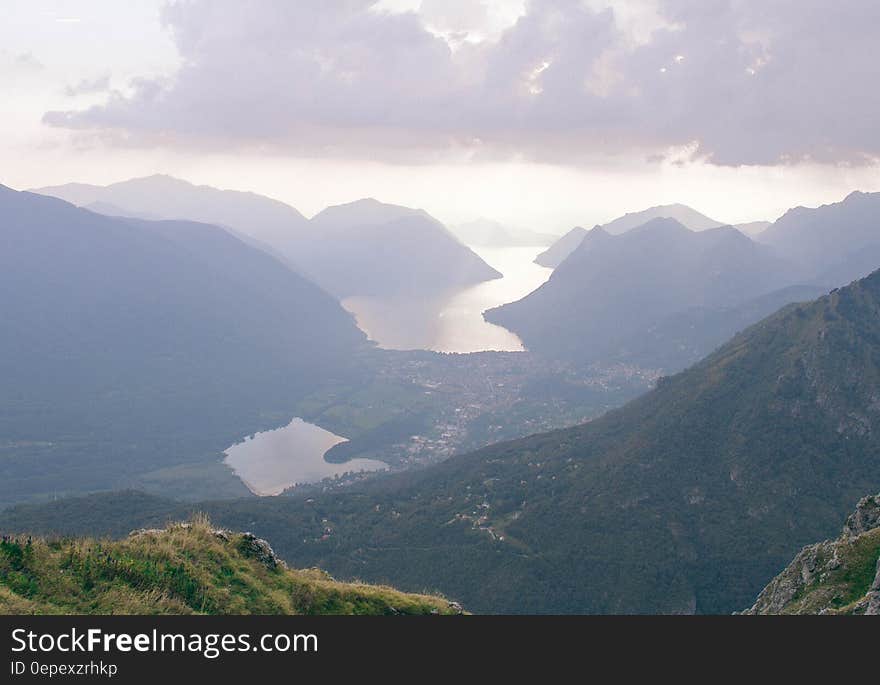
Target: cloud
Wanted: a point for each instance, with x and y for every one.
(89, 86)
(23, 62)
(730, 81)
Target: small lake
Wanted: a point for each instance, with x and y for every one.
(453, 321)
(272, 461)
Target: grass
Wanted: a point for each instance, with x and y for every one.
(185, 568)
(841, 590)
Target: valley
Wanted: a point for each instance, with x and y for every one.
(421, 307)
(419, 408)
(376, 461)
(687, 499)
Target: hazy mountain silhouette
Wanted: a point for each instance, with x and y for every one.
(614, 288)
(369, 247)
(166, 197)
(133, 332)
(753, 228)
(554, 255)
(360, 248)
(488, 233)
(109, 209)
(834, 243)
(690, 218)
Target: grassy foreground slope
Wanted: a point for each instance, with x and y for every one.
(188, 568)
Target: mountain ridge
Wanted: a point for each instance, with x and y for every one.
(686, 500)
(613, 288)
(554, 255)
(826, 237)
(332, 249)
(104, 317)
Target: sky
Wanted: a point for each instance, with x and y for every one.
(537, 113)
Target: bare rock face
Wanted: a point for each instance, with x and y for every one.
(829, 577)
(146, 531)
(256, 548)
(866, 517)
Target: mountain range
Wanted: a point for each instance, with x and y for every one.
(688, 499)
(613, 290)
(123, 335)
(360, 248)
(562, 248)
(371, 248)
(662, 301)
(832, 244)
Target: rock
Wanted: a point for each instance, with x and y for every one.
(866, 517)
(875, 586)
(818, 577)
(256, 548)
(145, 531)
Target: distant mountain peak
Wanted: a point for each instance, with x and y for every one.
(727, 230)
(165, 180)
(554, 255)
(833, 243)
(363, 202)
(660, 224)
(859, 195)
(685, 215)
(367, 211)
(367, 203)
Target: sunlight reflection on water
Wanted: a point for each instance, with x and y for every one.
(453, 322)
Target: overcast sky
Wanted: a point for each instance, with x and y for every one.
(542, 113)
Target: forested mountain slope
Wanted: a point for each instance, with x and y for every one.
(687, 499)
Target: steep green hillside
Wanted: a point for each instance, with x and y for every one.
(839, 576)
(689, 498)
(182, 569)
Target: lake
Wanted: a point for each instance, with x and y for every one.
(272, 461)
(453, 321)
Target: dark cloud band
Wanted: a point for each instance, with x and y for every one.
(732, 81)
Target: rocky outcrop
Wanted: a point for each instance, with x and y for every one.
(833, 577)
(256, 548)
(248, 544)
(865, 518)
